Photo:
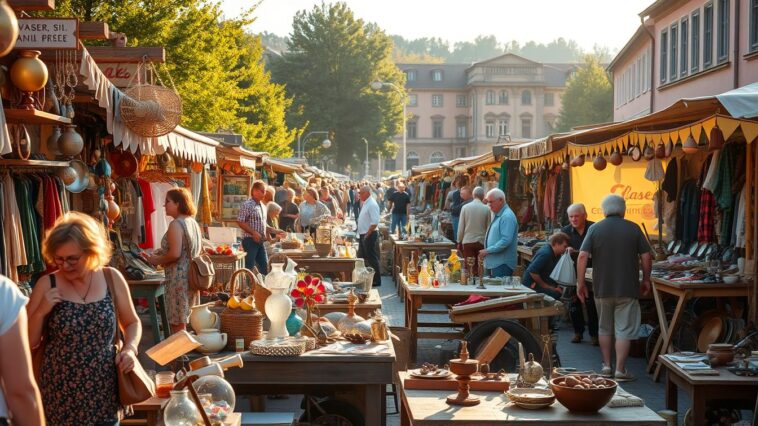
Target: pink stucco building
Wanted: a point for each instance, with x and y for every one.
(459, 110)
(685, 49)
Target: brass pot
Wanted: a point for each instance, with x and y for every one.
(29, 73)
(8, 28)
(70, 142)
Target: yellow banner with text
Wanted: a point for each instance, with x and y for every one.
(590, 186)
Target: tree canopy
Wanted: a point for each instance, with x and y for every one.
(217, 68)
(332, 59)
(588, 98)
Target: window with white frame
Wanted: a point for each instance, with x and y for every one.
(436, 157)
(412, 100)
(489, 128)
(707, 35)
(502, 127)
(695, 41)
(526, 97)
(753, 40)
(490, 97)
(437, 128)
(639, 80)
(683, 44)
(437, 101)
(410, 129)
(437, 75)
(461, 128)
(503, 99)
(634, 85)
(526, 127)
(664, 55)
(722, 31)
(410, 75)
(673, 49)
(460, 100)
(549, 99)
(412, 159)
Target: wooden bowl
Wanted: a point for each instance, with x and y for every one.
(583, 400)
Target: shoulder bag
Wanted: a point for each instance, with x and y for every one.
(134, 386)
(201, 270)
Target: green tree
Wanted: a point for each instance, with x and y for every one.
(333, 58)
(216, 67)
(588, 98)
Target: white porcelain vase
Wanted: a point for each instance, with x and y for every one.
(278, 304)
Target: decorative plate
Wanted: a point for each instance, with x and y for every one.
(533, 406)
(437, 374)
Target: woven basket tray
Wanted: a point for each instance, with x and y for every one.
(291, 245)
(284, 347)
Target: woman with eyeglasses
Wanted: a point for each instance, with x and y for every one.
(73, 313)
(180, 244)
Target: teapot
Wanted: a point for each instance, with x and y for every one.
(213, 341)
(202, 317)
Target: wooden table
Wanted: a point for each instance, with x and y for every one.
(741, 392)
(361, 379)
(416, 296)
(403, 248)
(334, 267)
(153, 406)
(428, 407)
(153, 289)
(365, 309)
(683, 292)
(525, 255)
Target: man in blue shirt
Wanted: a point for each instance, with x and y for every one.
(499, 254)
(537, 274)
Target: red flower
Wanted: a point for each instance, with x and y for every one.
(315, 281)
(309, 291)
(301, 284)
(295, 293)
(308, 279)
(321, 288)
(299, 303)
(319, 298)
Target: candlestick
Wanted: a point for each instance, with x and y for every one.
(521, 360)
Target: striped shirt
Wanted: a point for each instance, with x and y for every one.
(252, 213)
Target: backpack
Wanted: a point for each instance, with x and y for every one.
(201, 271)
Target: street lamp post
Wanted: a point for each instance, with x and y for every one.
(378, 85)
(366, 173)
(326, 143)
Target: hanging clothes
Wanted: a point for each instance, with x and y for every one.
(205, 216)
(148, 207)
(706, 227)
(548, 201)
(196, 186)
(563, 197)
(669, 184)
(738, 237)
(722, 188)
(688, 212)
(159, 219)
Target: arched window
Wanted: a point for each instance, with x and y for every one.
(412, 159)
(490, 100)
(503, 97)
(437, 157)
(526, 97)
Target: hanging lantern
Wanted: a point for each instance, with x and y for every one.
(616, 158)
(565, 164)
(599, 163)
(8, 28)
(717, 138)
(578, 161)
(648, 153)
(690, 147)
(70, 142)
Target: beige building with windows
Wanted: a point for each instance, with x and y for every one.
(458, 110)
(685, 49)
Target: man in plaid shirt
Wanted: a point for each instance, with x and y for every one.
(252, 220)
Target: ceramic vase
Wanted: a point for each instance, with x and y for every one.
(8, 28)
(70, 142)
(278, 308)
(293, 323)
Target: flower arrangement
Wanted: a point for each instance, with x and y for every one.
(309, 291)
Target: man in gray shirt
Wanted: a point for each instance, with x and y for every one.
(617, 246)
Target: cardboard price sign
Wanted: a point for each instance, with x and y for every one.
(41, 34)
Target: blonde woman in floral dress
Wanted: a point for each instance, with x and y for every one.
(174, 256)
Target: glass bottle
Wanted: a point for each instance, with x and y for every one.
(423, 275)
(454, 267)
(180, 410)
(412, 269)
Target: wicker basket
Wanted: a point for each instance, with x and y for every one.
(291, 245)
(238, 323)
(260, 292)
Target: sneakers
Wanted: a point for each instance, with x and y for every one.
(595, 341)
(577, 338)
(623, 377)
(606, 371)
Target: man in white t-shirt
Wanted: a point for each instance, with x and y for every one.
(368, 221)
(20, 399)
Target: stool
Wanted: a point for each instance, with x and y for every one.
(152, 290)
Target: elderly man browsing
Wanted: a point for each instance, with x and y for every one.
(577, 230)
(368, 244)
(499, 254)
(617, 246)
(472, 227)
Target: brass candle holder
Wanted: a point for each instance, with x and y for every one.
(463, 367)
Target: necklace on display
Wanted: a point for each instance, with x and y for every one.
(89, 286)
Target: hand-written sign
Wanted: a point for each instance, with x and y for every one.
(121, 75)
(42, 34)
